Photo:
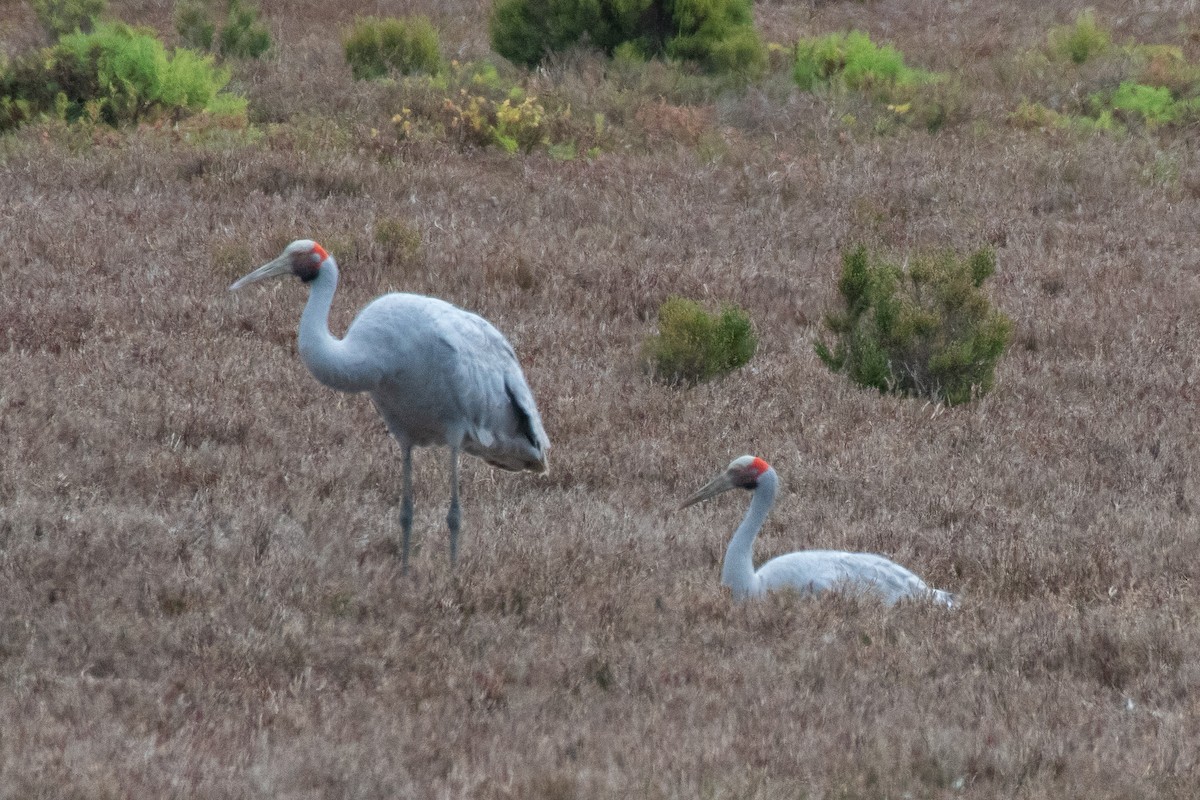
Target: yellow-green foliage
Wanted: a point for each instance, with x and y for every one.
(473, 105)
(1079, 41)
(115, 74)
(693, 345)
(375, 47)
(927, 330)
(1096, 85)
(514, 124)
(400, 240)
(851, 61)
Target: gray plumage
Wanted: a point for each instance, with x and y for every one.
(437, 374)
(805, 571)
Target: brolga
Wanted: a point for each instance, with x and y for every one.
(437, 374)
(806, 571)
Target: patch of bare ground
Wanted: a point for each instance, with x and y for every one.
(198, 572)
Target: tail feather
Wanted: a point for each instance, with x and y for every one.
(524, 420)
(944, 598)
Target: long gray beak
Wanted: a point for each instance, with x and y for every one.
(721, 483)
(272, 269)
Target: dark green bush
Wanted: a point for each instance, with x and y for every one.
(241, 35)
(927, 330)
(60, 17)
(377, 46)
(717, 34)
(194, 24)
(116, 74)
(693, 345)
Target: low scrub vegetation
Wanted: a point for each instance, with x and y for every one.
(376, 47)
(1091, 84)
(117, 75)
(198, 540)
(475, 106)
(851, 61)
(923, 329)
(719, 35)
(60, 17)
(240, 35)
(694, 345)
(1079, 41)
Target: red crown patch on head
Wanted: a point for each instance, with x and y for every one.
(320, 251)
(759, 466)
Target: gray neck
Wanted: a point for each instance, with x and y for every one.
(326, 356)
(738, 570)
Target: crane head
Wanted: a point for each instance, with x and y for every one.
(742, 473)
(302, 258)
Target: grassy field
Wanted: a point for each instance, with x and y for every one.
(198, 572)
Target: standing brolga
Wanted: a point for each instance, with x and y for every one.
(806, 571)
(438, 375)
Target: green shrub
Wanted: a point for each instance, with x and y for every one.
(851, 60)
(717, 34)
(855, 61)
(400, 240)
(243, 36)
(193, 24)
(693, 345)
(374, 47)
(514, 124)
(60, 17)
(1079, 41)
(1152, 104)
(115, 74)
(927, 330)
(474, 104)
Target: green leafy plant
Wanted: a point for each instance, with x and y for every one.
(60, 17)
(693, 345)
(1079, 41)
(925, 330)
(117, 75)
(718, 35)
(514, 124)
(194, 25)
(241, 35)
(375, 47)
(851, 61)
(474, 105)
(1152, 104)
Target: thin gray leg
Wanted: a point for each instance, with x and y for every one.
(406, 509)
(455, 513)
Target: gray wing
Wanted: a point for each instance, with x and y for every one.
(506, 429)
(448, 376)
(834, 570)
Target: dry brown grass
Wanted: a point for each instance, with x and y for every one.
(197, 562)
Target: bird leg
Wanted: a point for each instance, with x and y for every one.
(455, 514)
(406, 509)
